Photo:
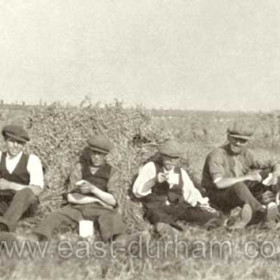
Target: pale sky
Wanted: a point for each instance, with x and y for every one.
(185, 54)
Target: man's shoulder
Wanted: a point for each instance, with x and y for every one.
(218, 152)
(32, 157)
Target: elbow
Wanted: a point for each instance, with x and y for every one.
(218, 185)
(70, 198)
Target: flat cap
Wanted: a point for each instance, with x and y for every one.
(240, 130)
(100, 143)
(15, 132)
(170, 148)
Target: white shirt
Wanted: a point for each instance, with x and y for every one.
(34, 168)
(147, 179)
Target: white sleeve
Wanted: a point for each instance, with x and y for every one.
(145, 180)
(35, 169)
(191, 194)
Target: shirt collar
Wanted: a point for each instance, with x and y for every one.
(17, 157)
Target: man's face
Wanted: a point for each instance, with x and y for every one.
(169, 162)
(97, 158)
(14, 147)
(237, 145)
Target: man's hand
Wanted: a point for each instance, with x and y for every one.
(254, 176)
(161, 177)
(87, 188)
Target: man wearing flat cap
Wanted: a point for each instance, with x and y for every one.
(91, 196)
(168, 194)
(233, 177)
(21, 178)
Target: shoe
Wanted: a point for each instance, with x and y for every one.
(4, 227)
(124, 240)
(3, 224)
(213, 223)
(246, 214)
(245, 217)
(165, 230)
(34, 237)
(272, 212)
(233, 217)
(6, 239)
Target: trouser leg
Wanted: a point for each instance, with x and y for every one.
(110, 225)
(159, 213)
(236, 195)
(66, 216)
(20, 203)
(196, 215)
(109, 221)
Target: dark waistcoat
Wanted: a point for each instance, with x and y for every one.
(20, 174)
(100, 178)
(162, 192)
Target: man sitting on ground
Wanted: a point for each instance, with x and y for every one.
(233, 177)
(21, 179)
(168, 195)
(91, 196)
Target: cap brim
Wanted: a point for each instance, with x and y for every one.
(15, 137)
(244, 137)
(172, 156)
(96, 149)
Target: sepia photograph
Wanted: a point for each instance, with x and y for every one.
(139, 139)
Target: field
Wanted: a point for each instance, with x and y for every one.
(58, 135)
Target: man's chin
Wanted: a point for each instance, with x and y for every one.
(236, 151)
(13, 154)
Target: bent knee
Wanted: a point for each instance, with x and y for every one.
(26, 194)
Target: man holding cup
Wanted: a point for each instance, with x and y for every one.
(168, 194)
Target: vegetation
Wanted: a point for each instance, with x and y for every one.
(60, 133)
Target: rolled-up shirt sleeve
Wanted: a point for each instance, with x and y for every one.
(35, 169)
(112, 183)
(216, 166)
(75, 176)
(145, 181)
(191, 194)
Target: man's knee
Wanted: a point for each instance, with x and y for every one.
(239, 186)
(26, 195)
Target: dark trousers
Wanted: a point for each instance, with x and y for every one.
(159, 212)
(237, 195)
(109, 222)
(15, 205)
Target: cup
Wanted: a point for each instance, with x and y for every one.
(173, 179)
(86, 228)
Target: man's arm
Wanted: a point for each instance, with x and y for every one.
(227, 182)
(7, 185)
(191, 194)
(108, 198)
(36, 183)
(145, 181)
(217, 162)
(88, 188)
(78, 198)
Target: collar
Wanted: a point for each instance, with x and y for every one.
(17, 157)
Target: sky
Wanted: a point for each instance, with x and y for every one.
(173, 54)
